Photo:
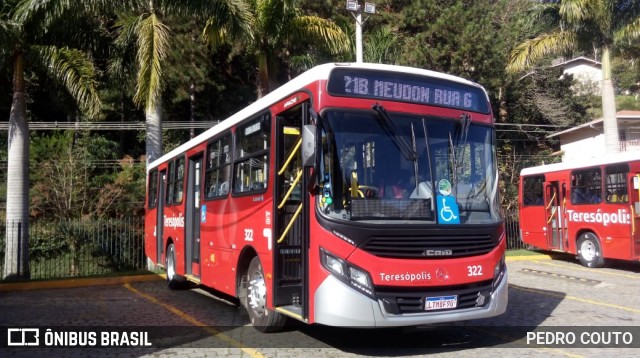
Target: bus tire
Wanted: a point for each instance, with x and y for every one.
(262, 318)
(589, 252)
(174, 280)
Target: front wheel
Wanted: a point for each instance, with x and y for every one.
(174, 280)
(262, 318)
(589, 251)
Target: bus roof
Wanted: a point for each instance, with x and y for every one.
(583, 163)
(317, 73)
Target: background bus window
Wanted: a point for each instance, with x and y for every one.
(218, 168)
(152, 199)
(252, 156)
(616, 183)
(532, 191)
(586, 186)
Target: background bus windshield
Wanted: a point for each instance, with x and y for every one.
(379, 166)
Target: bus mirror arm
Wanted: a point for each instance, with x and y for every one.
(309, 145)
(309, 150)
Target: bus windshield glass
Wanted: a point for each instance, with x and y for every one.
(378, 166)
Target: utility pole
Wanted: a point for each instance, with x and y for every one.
(356, 11)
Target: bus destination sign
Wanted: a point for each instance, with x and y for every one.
(361, 83)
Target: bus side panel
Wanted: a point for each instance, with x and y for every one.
(215, 245)
(150, 232)
(609, 222)
(232, 225)
(173, 229)
(532, 219)
(533, 226)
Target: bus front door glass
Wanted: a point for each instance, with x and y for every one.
(424, 169)
(554, 214)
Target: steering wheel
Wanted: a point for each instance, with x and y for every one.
(367, 191)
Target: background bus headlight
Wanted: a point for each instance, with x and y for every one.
(348, 273)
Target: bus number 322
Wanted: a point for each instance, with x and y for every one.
(475, 270)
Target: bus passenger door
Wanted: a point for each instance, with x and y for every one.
(634, 206)
(160, 216)
(192, 216)
(291, 232)
(554, 211)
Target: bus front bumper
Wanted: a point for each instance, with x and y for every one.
(337, 304)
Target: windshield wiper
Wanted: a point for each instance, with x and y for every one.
(393, 132)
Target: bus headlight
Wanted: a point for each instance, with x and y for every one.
(498, 272)
(345, 272)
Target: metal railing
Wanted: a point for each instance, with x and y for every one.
(77, 248)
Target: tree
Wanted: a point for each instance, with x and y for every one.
(583, 25)
(31, 41)
(278, 26)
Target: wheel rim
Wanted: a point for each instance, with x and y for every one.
(257, 293)
(588, 250)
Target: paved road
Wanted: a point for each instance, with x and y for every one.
(558, 298)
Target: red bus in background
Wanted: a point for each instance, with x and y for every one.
(357, 195)
(587, 208)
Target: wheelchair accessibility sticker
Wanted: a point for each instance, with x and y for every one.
(448, 212)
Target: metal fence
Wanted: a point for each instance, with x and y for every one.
(79, 248)
(76, 248)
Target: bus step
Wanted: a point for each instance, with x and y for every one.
(291, 311)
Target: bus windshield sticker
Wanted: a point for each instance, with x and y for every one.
(448, 212)
(444, 187)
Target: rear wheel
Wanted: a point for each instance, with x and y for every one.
(589, 251)
(262, 318)
(174, 280)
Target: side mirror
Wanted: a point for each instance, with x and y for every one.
(309, 145)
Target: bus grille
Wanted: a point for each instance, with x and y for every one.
(397, 301)
(429, 247)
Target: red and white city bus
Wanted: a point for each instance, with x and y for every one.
(292, 204)
(588, 208)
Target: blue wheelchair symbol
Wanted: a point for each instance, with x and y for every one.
(448, 212)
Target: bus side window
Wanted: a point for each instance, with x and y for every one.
(253, 142)
(532, 190)
(586, 186)
(616, 183)
(218, 168)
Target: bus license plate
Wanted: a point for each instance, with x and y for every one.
(440, 303)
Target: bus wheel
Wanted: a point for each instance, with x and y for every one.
(589, 251)
(263, 319)
(174, 280)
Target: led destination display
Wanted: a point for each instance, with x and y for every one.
(348, 82)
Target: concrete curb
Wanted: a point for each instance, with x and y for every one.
(73, 283)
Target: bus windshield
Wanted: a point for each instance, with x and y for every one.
(378, 166)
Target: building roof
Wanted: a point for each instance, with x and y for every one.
(621, 115)
(577, 60)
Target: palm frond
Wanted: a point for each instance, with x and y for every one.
(234, 16)
(153, 46)
(529, 52)
(75, 71)
(575, 11)
(312, 29)
(47, 12)
(629, 32)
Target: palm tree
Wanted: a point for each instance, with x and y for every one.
(279, 24)
(145, 26)
(584, 25)
(28, 43)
